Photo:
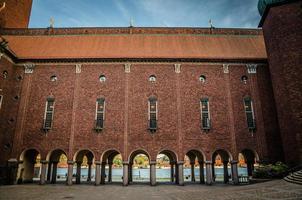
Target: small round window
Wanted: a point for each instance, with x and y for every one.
(202, 79)
(152, 78)
(53, 78)
(244, 79)
(102, 78)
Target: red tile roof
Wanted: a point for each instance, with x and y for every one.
(216, 46)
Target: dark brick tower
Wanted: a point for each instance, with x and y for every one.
(282, 26)
(15, 13)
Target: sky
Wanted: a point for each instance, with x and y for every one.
(145, 13)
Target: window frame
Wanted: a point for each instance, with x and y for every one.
(48, 100)
(1, 99)
(249, 112)
(202, 111)
(152, 129)
(97, 111)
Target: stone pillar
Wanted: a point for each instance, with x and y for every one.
(43, 171)
(69, 172)
(180, 173)
(192, 171)
(225, 172)
(97, 172)
(201, 172)
(54, 173)
(250, 168)
(176, 174)
(152, 173)
(125, 173)
(172, 172)
(110, 172)
(89, 172)
(209, 174)
(78, 176)
(213, 171)
(234, 168)
(49, 171)
(130, 172)
(103, 173)
(12, 171)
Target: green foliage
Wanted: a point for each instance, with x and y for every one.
(279, 170)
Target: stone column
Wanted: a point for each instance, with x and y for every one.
(110, 172)
(192, 171)
(103, 173)
(213, 171)
(89, 172)
(176, 174)
(130, 172)
(209, 174)
(54, 173)
(250, 168)
(125, 174)
(78, 177)
(69, 172)
(97, 172)
(49, 171)
(201, 172)
(180, 173)
(12, 171)
(234, 168)
(152, 173)
(172, 172)
(43, 171)
(225, 172)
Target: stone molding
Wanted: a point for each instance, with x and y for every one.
(29, 68)
(226, 68)
(177, 68)
(251, 68)
(78, 68)
(127, 67)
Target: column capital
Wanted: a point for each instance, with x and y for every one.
(225, 68)
(152, 163)
(70, 162)
(127, 67)
(125, 163)
(29, 68)
(201, 162)
(251, 68)
(78, 68)
(12, 160)
(234, 162)
(177, 68)
(79, 162)
(44, 161)
(180, 162)
(207, 162)
(97, 162)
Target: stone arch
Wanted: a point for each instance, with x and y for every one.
(78, 159)
(196, 155)
(26, 168)
(136, 152)
(173, 158)
(107, 158)
(226, 158)
(132, 155)
(250, 157)
(171, 154)
(53, 159)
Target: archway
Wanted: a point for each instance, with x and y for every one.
(114, 173)
(250, 159)
(139, 167)
(83, 161)
(194, 159)
(166, 161)
(29, 166)
(221, 166)
(57, 159)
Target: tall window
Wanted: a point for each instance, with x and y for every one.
(48, 116)
(249, 112)
(205, 114)
(152, 110)
(100, 114)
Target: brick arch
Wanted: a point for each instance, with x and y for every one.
(109, 154)
(136, 152)
(55, 154)
(173, 157)
(79, 155)
(225, 155)
(193, 153)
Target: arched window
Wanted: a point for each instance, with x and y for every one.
(100, 114)
(152, 114)
(205, 114)
(249, 112)
(152, 78)
(48, 115)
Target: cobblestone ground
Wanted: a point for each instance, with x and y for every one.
(277, 189)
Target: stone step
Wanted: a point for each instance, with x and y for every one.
(294, 178)
(292, 181)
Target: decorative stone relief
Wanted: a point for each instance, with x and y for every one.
(251, 68)
(29, 68)
(226, 68)
(127, 67)
(78, 68)
(1, 54)
(177, 68)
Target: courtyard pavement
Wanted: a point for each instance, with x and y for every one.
(277, 189)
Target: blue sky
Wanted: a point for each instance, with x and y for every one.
(161, 13)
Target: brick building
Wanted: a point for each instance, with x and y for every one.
(100, 92)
